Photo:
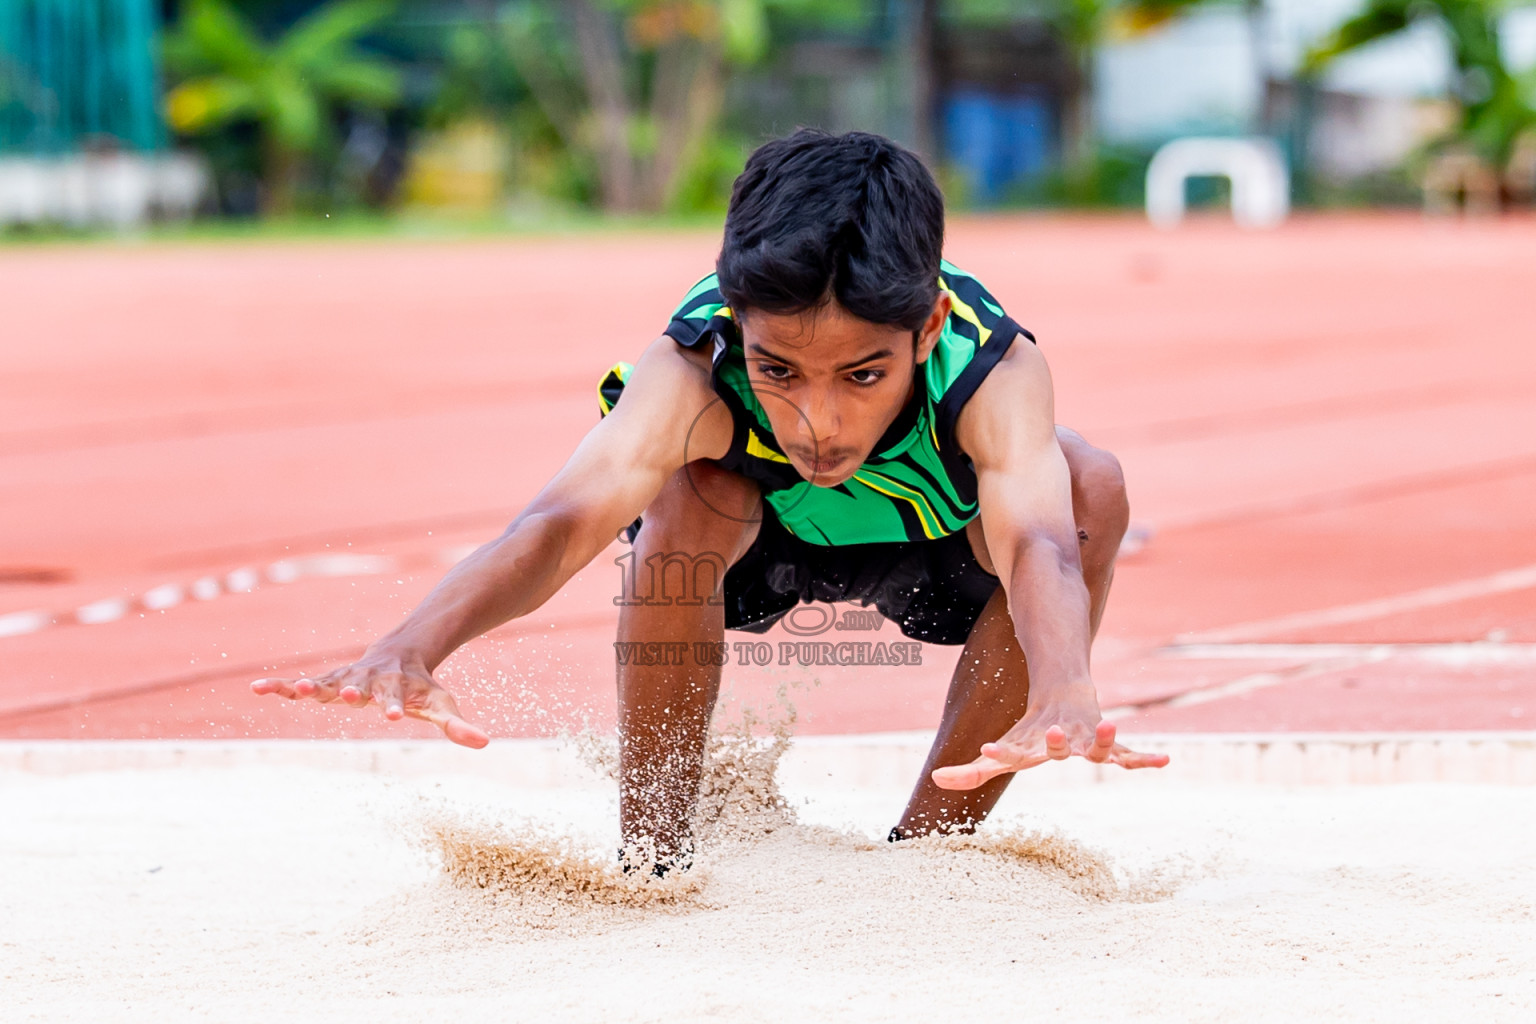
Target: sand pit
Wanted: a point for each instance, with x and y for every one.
(283, 893)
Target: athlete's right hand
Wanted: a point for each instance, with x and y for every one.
(400, 687)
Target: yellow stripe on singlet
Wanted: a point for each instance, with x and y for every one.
(965, 312)
(762, 451)
(620, 370)
(918, 503)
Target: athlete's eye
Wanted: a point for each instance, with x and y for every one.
(866, 376)
(773, 371)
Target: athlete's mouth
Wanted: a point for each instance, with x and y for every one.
(825, 465)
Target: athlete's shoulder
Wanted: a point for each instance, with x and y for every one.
(975, 312)
(702, 303)
(665, 383)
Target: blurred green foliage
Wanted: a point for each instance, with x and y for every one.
(638, 106)
(615, 103)
(288, 89)
(1495, 106)
(1107, 176)
(633, 90)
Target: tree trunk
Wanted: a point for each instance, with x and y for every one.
(280, 171)
(602, 65)
(1077, 131)
(921, 57)
(686, 98)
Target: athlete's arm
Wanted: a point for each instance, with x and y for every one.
(615, 472)
(1025, 492)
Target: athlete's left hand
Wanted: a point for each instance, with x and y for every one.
(1050, 734)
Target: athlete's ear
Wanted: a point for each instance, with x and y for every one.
(933, 327)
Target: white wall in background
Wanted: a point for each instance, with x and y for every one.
(1519, 38)
(1194, 74)
(1201, 72)
(121, 190)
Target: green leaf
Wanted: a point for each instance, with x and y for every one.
(206, 103)
(292, 112)
(183, 56)
(1526, 81)
(224, 39)
(744, 28)
(327, 33)
(1381, 19)
(369, 83)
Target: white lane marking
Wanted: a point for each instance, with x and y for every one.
(1320, 659)
(242, 581)
(290, 569)
(345, 565)
(1244, 685)
(1430, 597)
(1477, 652)
(22, 623)
(167, 595)
(108, 610)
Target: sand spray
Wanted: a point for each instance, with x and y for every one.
(504, 876)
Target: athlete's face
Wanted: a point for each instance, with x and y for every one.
(832, 383)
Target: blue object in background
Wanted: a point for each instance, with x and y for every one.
(75, 72)
(997, 141)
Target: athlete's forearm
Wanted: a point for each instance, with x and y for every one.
(613, 475)
(1050, 608)
(507, 578)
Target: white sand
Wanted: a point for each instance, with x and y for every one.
(271, 893)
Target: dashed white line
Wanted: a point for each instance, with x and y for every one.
(168, 595)
(109, 610)
(22, 623)
(242, 581)
(290, 569)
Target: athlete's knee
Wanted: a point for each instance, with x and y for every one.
(702, 508)
(1098, 487)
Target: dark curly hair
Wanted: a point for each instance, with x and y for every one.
(816, 216)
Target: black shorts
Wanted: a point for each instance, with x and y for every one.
(934, 590)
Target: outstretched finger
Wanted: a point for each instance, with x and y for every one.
(464, 733)
(443, 711)
(353, 685)
(1056, 745)
(389, 695)
(1126, 758)
(320, 688)
(281, 687)
(1103, 745)
(969, 776)
(1017, 755)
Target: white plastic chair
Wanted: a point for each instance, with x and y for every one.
(1261, 185)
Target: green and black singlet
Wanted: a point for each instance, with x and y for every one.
(916, 484)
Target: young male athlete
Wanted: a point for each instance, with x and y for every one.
(836, 414)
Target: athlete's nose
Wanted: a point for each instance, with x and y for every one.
(817, 426)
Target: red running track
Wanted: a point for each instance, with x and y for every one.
(219, 460)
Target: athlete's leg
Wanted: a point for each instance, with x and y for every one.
(1102, 511)
(703, 520)
(990, 688)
